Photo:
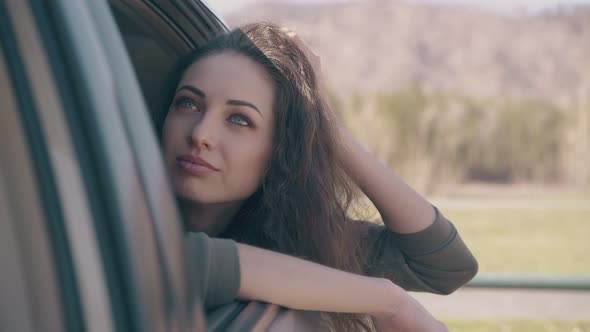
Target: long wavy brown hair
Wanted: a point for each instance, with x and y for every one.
(301, 207)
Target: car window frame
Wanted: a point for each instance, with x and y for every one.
(142, 296)
(35, 220)
(121, 213)
(127, 224)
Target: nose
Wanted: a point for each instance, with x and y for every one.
(202, 132)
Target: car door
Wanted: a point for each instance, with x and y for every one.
(90, 235)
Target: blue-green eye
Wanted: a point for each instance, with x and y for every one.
(240, 120)
(188, 104)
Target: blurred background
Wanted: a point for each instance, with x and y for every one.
(484, 106)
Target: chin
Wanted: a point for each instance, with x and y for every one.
(206, 195)
(201, 197)
(192, 197)
(187, 193)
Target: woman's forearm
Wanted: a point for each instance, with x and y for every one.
(402, 209)
(298, 284)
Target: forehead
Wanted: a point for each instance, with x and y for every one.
(230, 75)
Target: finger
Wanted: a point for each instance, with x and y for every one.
(311, 55)
(290, 32)
(287, 30)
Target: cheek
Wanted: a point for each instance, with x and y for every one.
(260, 165)
(250, 168)
(171, 132)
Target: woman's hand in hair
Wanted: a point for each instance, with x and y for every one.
(402, 209)
(312, 57)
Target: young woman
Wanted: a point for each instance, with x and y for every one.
(255, 154)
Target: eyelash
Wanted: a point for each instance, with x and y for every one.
(244, 119)
(180, 101)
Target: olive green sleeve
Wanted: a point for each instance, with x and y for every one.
(214, 267)
(433, 260)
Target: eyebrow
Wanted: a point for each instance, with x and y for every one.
(193, 90)
(234, 102)
(243, 103)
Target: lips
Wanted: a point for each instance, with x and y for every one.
(195, 165)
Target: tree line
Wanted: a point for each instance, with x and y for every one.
(435, 140)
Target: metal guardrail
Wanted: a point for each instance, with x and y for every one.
(531, 281)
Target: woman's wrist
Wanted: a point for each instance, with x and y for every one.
(402, 209)
(404, 313)
(347, 151)
(393, 298)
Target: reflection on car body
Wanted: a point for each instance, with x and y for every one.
(89, 232)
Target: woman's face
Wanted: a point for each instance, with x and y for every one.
(218, 133)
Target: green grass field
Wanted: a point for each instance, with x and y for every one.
(548, 234)
(510, 232)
